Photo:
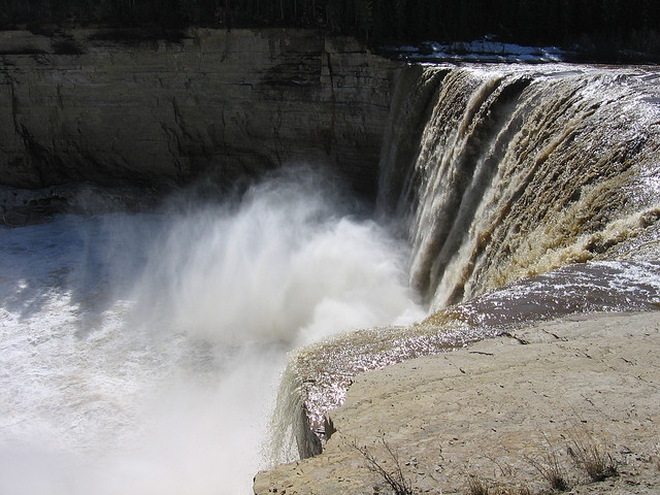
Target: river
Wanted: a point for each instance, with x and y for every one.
(142, 352)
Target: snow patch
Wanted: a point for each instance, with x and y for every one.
(484, 51)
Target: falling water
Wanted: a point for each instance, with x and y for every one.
(518, 171)
(526, 192)
(141, 352)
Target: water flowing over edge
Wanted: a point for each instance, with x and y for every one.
(526, 194)
(517, 172)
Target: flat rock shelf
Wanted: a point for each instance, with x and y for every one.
(504, 413)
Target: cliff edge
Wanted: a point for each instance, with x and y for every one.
(125, 107)
(504, 414)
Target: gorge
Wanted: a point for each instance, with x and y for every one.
(319, 200)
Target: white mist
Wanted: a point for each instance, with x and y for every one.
(140, 354)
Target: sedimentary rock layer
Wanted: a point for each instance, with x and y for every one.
(135, 108)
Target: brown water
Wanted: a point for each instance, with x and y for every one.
(519, 171)
(527, 193)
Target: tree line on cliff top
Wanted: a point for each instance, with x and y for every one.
(604, 23)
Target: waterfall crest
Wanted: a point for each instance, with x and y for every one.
(519, 171)
(526, 193)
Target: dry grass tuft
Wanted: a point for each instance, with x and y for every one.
(393, 477)
(553, 472)
(477, 487)
(598, 464)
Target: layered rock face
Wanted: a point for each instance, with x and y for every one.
(117, 108)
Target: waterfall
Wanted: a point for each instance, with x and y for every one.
(140, 351)
(525, 192)
(518, 171)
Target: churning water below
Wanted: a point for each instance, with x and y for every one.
(140, 353)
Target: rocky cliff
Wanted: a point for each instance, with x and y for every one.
(121, 108)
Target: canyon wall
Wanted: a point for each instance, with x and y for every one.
(121, 107)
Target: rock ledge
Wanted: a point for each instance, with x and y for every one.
(499, 410)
